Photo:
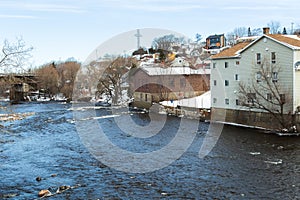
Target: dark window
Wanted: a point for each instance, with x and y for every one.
(226, 82)
(215, 82)
(269, 97)
(237, 102)
(251, 98)
(214, 100)
(275, 76)
(227, 101)
(237, 62)
(214, 65)
(226, 64)
(236, 77)
(258, 58)
(258, 76)
(273, 57)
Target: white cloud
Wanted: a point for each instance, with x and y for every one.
(17, 16)
(22, 6)
(155, 5)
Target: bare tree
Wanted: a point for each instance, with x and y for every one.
(165, 42)
(68, 71)
(47, 77)
(110, 83)
(274, 27)
(265, 93)
(14, 55)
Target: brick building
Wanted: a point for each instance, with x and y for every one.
(152, 83)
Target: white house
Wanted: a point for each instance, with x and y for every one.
(241, 63)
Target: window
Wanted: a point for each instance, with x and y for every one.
(237, 102)
(226, 82)
(258, 76)
(273, 57)
(214, 65)
(275, 76)
(146, 97)
(251, 98)
(237, 62)
(236, 77)
(282, 98)
(258, 58)
(141, 96)
(215, 82)
(182, 82)
(227, 101)
(226, 64)
(214, 100)
(269, 97)
(172, 83)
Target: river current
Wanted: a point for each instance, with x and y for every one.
(244, 164)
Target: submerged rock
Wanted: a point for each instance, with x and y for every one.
(63, 188)
(44, 193)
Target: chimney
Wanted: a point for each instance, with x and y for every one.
(266, 30)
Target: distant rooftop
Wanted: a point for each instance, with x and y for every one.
(232, 51)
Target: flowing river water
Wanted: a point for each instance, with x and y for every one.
(244, 163)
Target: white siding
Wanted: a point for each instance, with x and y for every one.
(247, 69)
(220, 92)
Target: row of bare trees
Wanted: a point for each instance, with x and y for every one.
(57, 78)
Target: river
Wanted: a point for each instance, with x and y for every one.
(244, 163)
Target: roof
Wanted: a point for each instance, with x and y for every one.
(288, 40)
(232, 51)
(153, 70)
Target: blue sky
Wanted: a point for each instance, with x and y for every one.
(74, 28)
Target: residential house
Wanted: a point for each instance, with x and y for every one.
(241, 64)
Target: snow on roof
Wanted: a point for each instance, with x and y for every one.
(202, 101)
(154, 70)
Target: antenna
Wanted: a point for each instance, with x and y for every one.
(138, 36)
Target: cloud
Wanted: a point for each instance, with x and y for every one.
(53, 8)
(155, 5)
(17, 16)
(43, 7)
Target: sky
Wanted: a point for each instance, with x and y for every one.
(59, 30)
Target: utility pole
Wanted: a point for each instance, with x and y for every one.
(292, 28)
(138, 36)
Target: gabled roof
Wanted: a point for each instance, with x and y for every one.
(232, 51)
(290, 41)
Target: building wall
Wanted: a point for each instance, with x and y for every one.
(221, 74)
(284, 66)
(249, 118)
(246, 71)
(166, 87)
(296, 82)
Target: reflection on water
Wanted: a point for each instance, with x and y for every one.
(245, 164)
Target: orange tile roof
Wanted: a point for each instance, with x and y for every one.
(285, 39)
(232, 51)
